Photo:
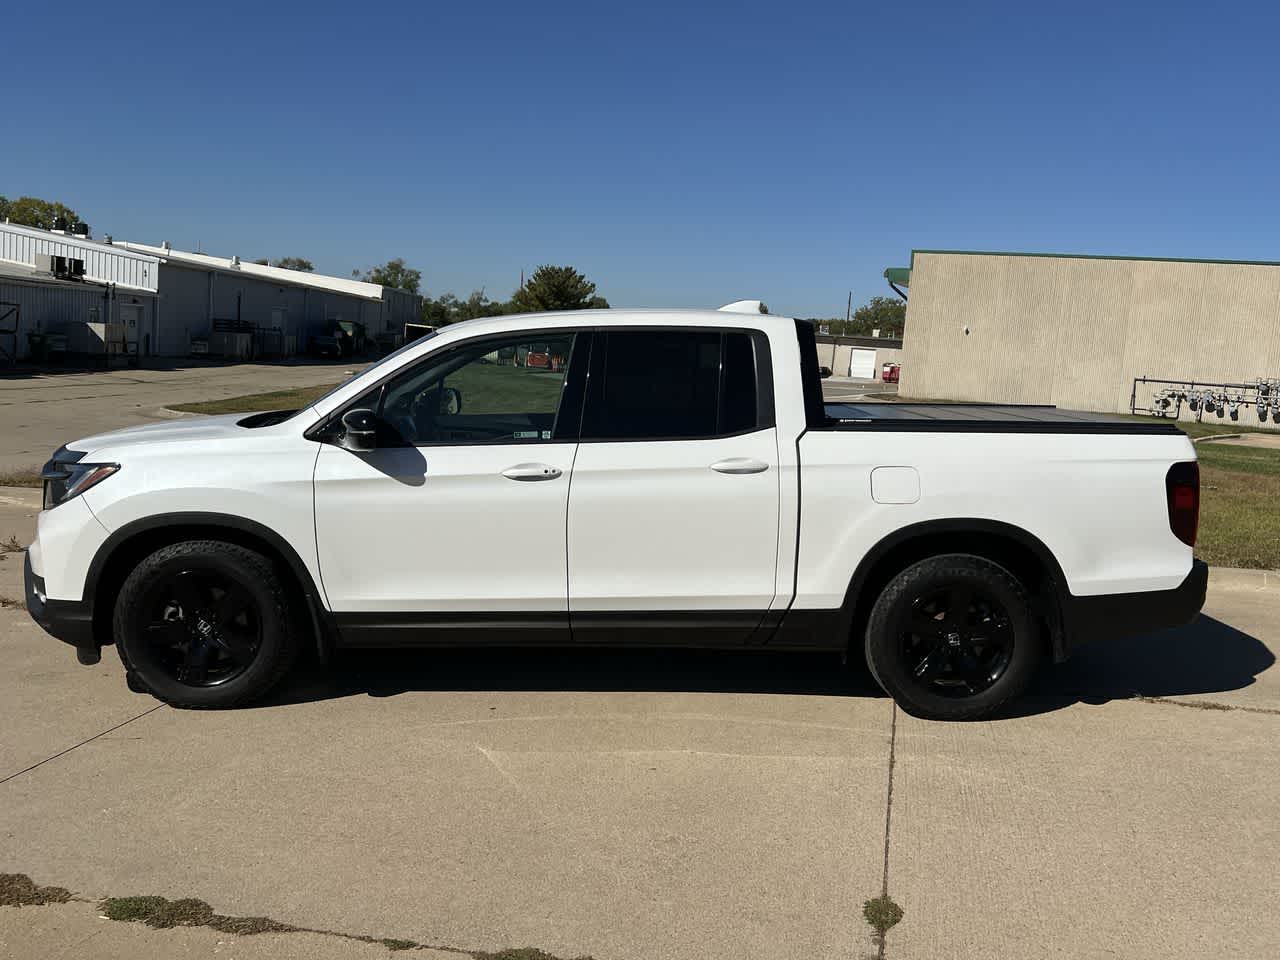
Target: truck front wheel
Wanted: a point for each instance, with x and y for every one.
(204, 623)
(952, 638)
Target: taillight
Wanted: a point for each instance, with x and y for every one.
(1182, 486)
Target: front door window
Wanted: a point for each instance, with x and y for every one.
(504, 390)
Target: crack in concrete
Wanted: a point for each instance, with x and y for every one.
(63, 753)
(883, 936)
(1207, 705)
(159, 913)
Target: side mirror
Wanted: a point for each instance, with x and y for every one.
(824, 372)
(450, 400)
(359, 431)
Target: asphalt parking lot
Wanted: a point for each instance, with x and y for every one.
(39, 411)
(653, 805)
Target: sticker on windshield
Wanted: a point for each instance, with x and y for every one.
(526, 434)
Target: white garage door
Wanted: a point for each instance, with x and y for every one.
(862, 363)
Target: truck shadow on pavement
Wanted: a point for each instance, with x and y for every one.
(1207, 656)
(386, 673)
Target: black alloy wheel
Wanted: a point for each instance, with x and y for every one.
(956, 641)
(201, 628)
(953, 637)
(205, 623)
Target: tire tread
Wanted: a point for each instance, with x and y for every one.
(284, 654)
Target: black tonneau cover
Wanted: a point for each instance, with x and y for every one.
(984, 418)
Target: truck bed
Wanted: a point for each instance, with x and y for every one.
(984, 418)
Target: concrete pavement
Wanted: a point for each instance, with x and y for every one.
(661, 805)
(655, 805)
(42, 410)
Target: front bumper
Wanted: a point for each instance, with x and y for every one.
(1115, 615)
(71, 621)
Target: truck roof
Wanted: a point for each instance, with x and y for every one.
(621, 317)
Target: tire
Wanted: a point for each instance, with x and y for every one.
(205, 624)
(953, 638)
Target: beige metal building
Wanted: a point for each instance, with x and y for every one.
(1076, 330)
(862, 358)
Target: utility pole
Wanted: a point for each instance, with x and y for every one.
(848, 312)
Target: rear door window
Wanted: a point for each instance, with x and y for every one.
(676, 385)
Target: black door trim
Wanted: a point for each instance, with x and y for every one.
(452, 629)
(623, 628)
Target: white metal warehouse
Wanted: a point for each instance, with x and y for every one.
(198, 291)
(96, 298)
(173, 303)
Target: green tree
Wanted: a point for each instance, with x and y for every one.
(447, 308)
(34, 212)
(394, 273)
(888, 314)
(556, 288)
(294, 263)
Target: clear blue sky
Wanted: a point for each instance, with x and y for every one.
(679, 154)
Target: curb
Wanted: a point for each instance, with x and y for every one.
(1237, 578)
(1213, 437)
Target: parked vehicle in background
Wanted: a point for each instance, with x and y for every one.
(716, 501)
(543, 356)
(345, 339)
(889, 372)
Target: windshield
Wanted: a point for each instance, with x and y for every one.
(373, 366)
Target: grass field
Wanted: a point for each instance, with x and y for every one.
(486, 388)
(253, 402)
(1239, 498)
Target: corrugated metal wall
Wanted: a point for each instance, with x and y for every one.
(193, 297)
(20, 245)
(1075, 332)
(52, 308)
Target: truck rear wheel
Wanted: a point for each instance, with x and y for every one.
(205, 623)
(952, 638)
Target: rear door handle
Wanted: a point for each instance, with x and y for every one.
(738, 465)
(531, 471)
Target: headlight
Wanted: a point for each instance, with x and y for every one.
(65, 479)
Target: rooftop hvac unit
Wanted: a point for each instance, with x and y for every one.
(65, 268)
(51, 263)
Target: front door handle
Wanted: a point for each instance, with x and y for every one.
(738, 465)
(531, 471)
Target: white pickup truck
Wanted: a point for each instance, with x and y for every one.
(617, 477)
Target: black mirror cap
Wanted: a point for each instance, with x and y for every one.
(359, 430)
(824, 372)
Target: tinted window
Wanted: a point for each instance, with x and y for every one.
(678, 385)
(499, 391)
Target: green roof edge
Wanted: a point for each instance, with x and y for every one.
(1091, 256)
